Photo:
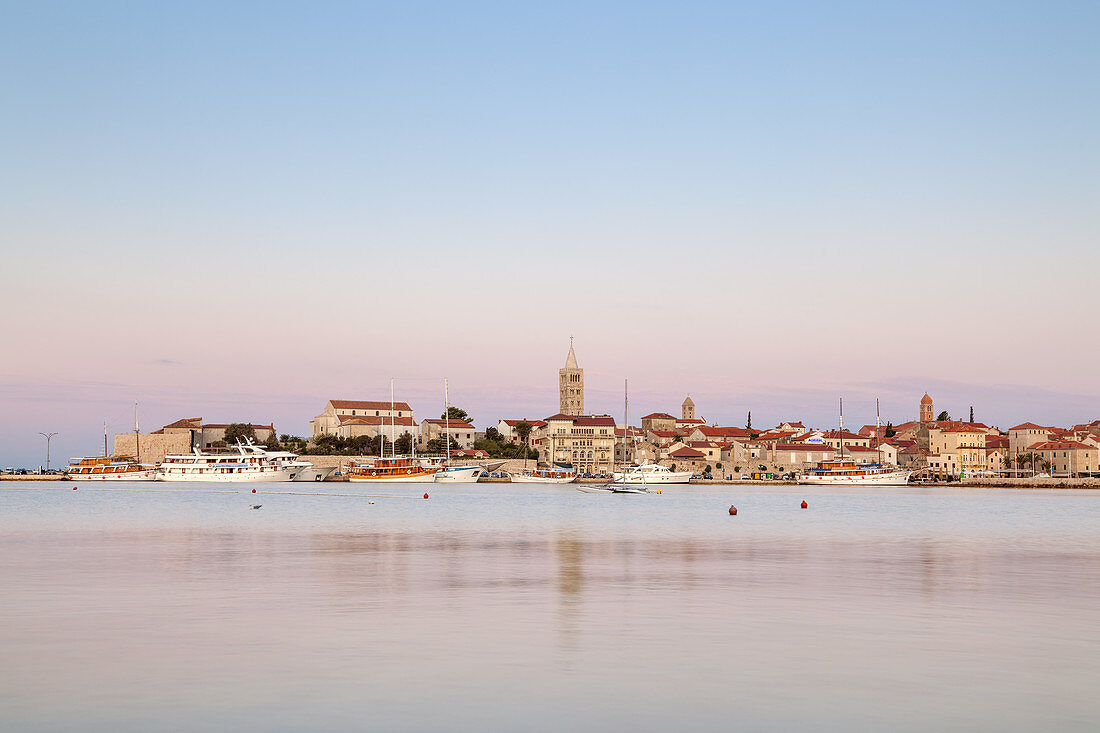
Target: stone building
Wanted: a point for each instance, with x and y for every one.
(1067, 457)
(182, 436)
(687, 409)
(585, 441)
(927, 411)
(658, 421)
(462, 432)
(339, 412)
(571, 385)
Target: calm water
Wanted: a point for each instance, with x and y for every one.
(497, 607)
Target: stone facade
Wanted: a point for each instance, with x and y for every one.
(571, 385)
(337, 412)
(927, 410)
(461, 432)
(687, 409)
(151, 448)
(585, 441)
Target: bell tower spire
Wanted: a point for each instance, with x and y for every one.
(571, 385)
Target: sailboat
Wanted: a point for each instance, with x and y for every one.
(620, 484)
(112, 468)
(448, 473)
(395, 469)
(841, 471)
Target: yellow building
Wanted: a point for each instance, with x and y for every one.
(586, 442)
(1068, 457)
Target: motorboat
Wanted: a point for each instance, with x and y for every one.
(394, 469)
(846, 472)
(650, 473)
(108, 468)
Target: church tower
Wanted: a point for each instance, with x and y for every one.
(687, 410)
(571, 385)
(927, 412)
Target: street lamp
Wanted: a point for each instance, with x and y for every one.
(47, 436)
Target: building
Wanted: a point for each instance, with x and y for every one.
(1025, 435)
(719, 434)
(460, 431)
(687, 409)
(571, 385)
(799, 456)
(587, 442)
(337, 412)
(182, 436)
(658, 421)
(1067, 457)
(927, 411)
(506, 428)
(846, 439)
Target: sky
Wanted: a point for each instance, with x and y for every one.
(241, 210)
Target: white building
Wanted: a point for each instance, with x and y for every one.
(339, 412)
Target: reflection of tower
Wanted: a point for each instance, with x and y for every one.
(926, 410)
(571, 385)
(687, 410)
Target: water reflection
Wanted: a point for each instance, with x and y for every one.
(513, 610)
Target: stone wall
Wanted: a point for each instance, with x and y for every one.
(153, 446)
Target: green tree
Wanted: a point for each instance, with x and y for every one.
(522, 429)
(404, 443)
(272, 443)
(943, 417)
(455, 413)
(890, 431)
(748, 423)
(239, 431)
(493, 434)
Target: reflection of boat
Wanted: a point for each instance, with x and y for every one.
(554, 475)
(846, 472)
(650, 473)
(106, 468)
(395, 469)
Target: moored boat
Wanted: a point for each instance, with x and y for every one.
(650, 473)
(554, 475)
(108, 468)
(253, 464)
(846, 472)
(395, 469)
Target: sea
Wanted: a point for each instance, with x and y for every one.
(509, 607)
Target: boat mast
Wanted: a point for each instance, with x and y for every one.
(446, 421)
(878, 432)
(393, 445)
(840, 434)
(104, 437)
(137, 437)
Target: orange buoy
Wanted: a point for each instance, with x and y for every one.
(733, 511)
(425, 496)
(805, 505)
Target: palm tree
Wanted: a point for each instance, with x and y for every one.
(522, 430)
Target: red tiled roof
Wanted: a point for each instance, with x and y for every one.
(368, 405)
(375, 420)
(996, 441)
(667, 433)
(805, 447)
(1060, 445)
(686, 453)
(1028, 426)
(844, 435)
(724, 432)
(532, 423)
(187, 422)
(222, 426)
(454, 422)
(659, 415)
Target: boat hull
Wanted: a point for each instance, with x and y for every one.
(650, 479)
(458, 475)
(273, 476)
(414, 478)
(892, 478)
(149, 475)
(313, 474)
(529, 479)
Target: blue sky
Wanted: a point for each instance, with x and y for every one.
(744, 201)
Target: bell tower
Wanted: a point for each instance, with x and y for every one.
(687, 410)
(571, 385)
(926, 410)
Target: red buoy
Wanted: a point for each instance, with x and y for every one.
(253, 491)
(425, 496)
(74, 488)
(805, 505)
(733, 511)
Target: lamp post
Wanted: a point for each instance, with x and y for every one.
(48, 437)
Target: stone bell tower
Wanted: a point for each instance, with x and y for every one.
(571, 385)
(926, 409)
(687, 410)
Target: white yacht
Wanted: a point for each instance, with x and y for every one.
(555, 475)
(249, 463)
(447, 473)
(650, 473)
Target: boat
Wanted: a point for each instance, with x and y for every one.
(446, 473)
(395, 469)
(249, 463)
(846, 472)
(543, 475)
(109, 468)
(841, 471)
(650, 473)
(625, 481)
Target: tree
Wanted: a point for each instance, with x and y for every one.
(890, 431)
(492, 434)
(972, 413)
(272, 443)
(522, 429)
(404, 443)
(748, 423)
(455, 413)
(943, 417)
(239, 431)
